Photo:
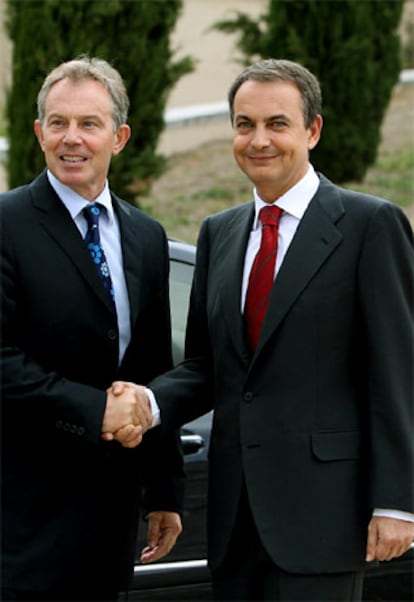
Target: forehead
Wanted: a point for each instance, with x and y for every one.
(270, 97)
(86, 95)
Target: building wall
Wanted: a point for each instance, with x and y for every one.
(213, 50)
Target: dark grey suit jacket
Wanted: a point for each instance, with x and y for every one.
(70, 501)
(319, 422)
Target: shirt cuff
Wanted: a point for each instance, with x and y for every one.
(155, 410)
(398, 514)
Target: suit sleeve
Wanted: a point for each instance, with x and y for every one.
(162, 459)
(386, 280)
(27, 387)
(186, 392)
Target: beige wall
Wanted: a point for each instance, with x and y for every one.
(213, 50)
(215, 69)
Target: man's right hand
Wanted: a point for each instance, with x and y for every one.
(128, 414)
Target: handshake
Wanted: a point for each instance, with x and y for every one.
(127, 415)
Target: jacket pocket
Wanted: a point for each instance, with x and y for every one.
(330, 446)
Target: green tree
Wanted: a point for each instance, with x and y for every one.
(353, 48)
(134, 36)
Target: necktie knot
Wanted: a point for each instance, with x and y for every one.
(92, 214)
(270, 215)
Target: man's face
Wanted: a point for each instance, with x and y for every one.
(78, 137)
(271, 143)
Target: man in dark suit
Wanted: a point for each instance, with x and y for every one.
(70, 501)
(311, 457)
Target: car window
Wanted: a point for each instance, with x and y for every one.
(181, 275)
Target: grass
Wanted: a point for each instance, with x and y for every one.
(392, 177)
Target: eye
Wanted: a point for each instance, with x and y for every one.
(277, 124)
(89, 124)
(243, 125)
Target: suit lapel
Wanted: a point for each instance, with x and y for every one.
(132, 253)
(315, 240)
(58, 223)
(230, 273)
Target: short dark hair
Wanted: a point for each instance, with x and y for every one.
(269, 70)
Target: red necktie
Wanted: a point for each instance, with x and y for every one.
(262, 274)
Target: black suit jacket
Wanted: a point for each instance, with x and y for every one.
(70, 501)
(319, 422)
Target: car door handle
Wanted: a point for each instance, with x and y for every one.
(191, 443)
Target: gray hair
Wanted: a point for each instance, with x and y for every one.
(83, 68)
(269, 70)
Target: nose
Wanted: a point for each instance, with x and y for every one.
(260, 138)
(72, 135)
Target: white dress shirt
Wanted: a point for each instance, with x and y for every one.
(110, 237)
(294, 204)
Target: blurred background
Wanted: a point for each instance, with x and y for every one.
(200, 176)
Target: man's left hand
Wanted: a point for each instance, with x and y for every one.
(163, 530)
(388, 538)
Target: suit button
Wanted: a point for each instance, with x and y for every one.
(248, 396)
(81, 431)
(59, 424)
(112, 334)
(66, 427)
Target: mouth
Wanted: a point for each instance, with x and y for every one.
(261, 157)
(72, 158)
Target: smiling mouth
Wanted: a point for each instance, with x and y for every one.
(72, 159)
(261, 157)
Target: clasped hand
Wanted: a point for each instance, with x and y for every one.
(127, 415)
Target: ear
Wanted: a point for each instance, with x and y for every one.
(314, 132)
(39, 133)
(121, 138)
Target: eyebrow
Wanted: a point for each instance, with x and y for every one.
(279, 116)
(62, 115)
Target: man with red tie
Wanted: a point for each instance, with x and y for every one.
(310, 375)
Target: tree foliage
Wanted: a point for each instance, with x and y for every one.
(353, 48)
(134, 36)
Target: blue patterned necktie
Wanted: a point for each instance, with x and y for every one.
(92, 240)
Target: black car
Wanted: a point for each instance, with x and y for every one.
(183, 574)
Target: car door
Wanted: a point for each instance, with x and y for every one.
(184, 571)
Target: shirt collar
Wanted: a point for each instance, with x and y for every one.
(75, 203)
(295, 201)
